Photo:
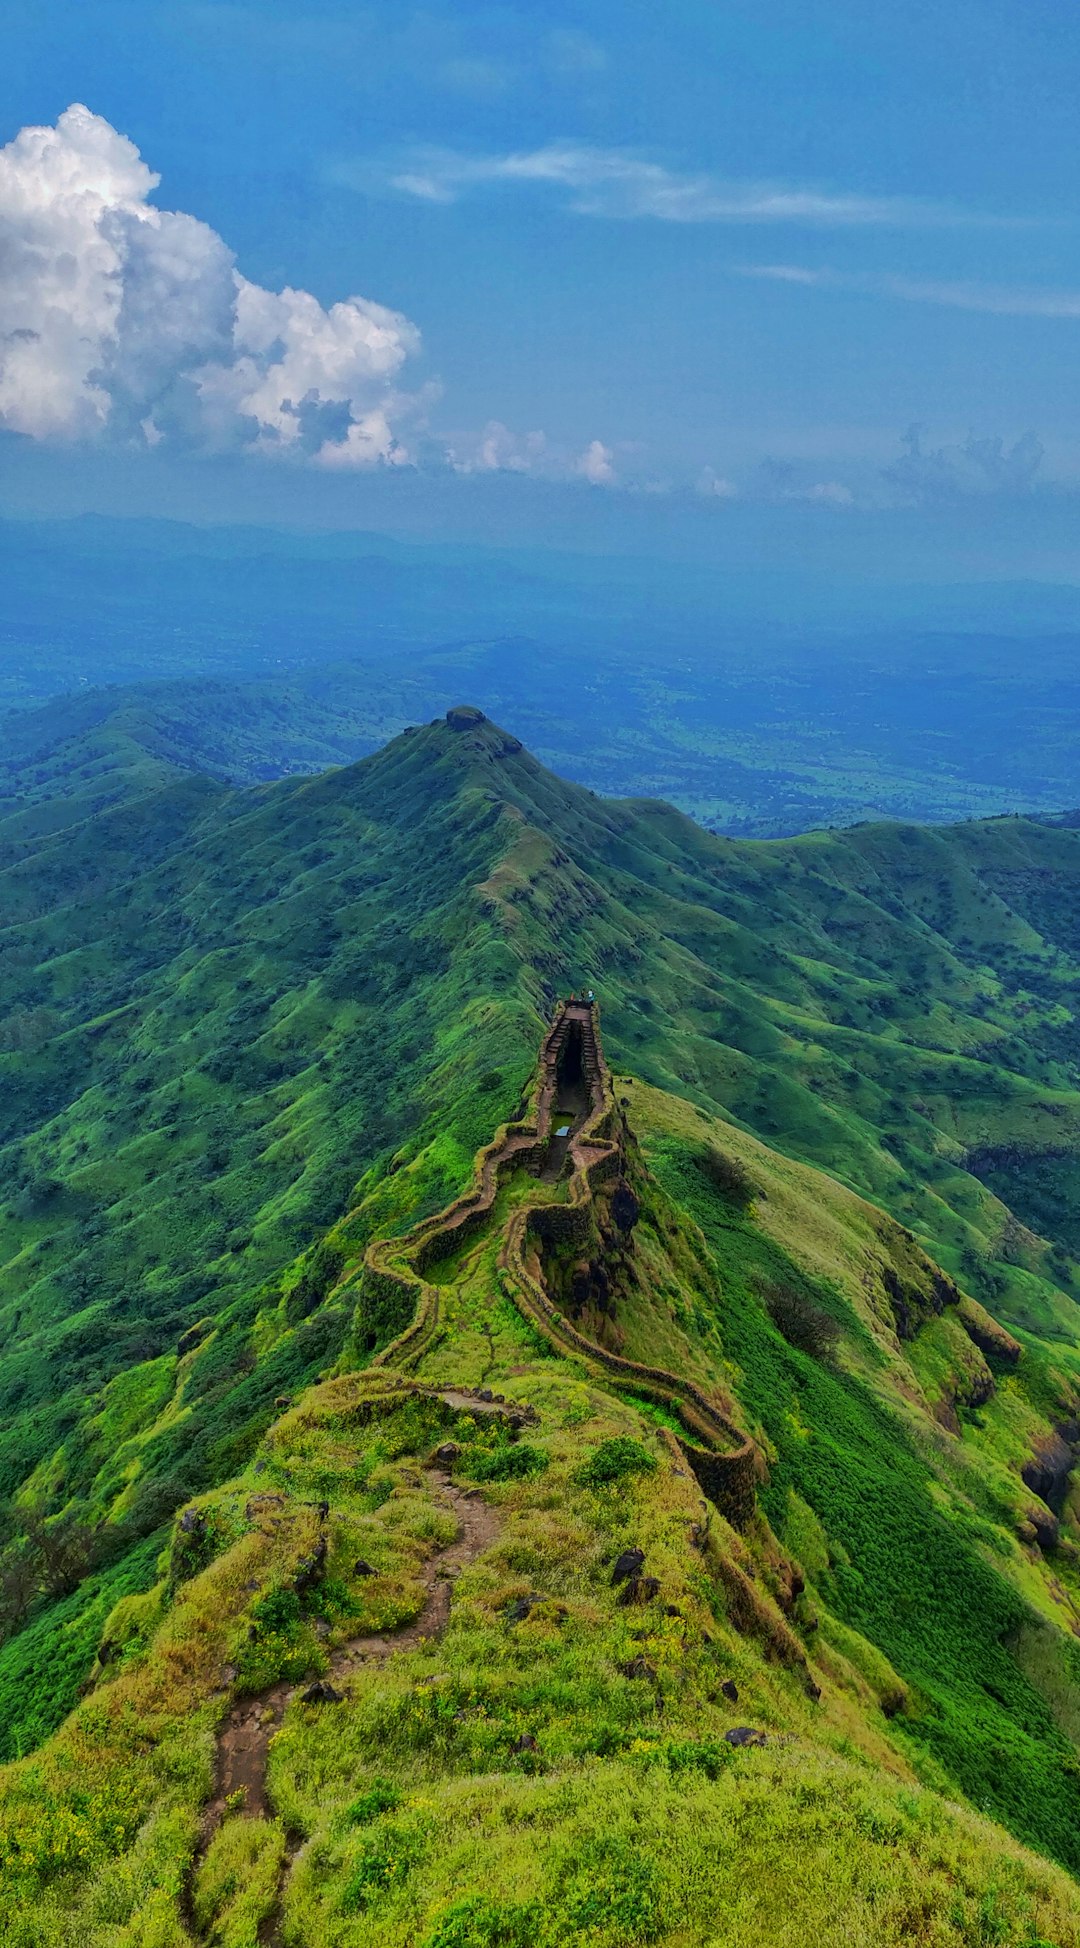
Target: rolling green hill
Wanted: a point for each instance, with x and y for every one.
(247, 1032)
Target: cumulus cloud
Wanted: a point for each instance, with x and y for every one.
(496, 449)
(978, 467)
(120, 319)
(596, 465)
(618, 183)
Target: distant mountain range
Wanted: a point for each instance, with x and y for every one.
(817, 706)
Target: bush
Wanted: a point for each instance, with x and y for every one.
(614, 1460)
(710, 1756)
(503, 1463)
(320, 1274)
(802, 1323)
(382, 1796)
(727, 1175)
(277, 1613)
(478, 1922)
(384, 1861)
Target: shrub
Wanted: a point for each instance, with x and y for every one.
(503, 1463)
(320, 1273)
(478, 1922)
(707, 1755)
(385, 1860)
(382, 1796)
(277, 1613)
(614, 1460)
(198, 1536)
(802, 1323)
(727, 1175)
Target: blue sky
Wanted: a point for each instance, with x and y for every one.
(723, 256)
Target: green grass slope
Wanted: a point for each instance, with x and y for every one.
(230, 1017)
(555, 1764)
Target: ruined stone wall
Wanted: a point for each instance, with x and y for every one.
(727, 1462)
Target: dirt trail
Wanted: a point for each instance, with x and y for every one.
(244, 1740)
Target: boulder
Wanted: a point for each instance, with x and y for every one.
(639, 1666)
(309, 1571)
(321, 1692)
(1046, 1526)
(464, 716)
(520, 1607)
(639, 1589)
(744, 1735)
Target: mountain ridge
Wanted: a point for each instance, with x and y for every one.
(277, 1029)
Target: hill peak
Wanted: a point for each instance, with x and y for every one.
(467, 718)
(464, 716)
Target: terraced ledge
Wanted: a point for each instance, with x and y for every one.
(726, 1462)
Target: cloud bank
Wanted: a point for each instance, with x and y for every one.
(119, 319)
(497, 449)
(977, 467)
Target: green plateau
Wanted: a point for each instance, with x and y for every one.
(419, 1526)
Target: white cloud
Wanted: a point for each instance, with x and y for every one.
(497, 450)
(618, 183)
(596, 465)
(120, 319)
(1002, 300)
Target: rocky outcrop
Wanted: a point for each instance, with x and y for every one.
(1047, 1473)
(992, 1340)
(1040, 1528)
(915, 1300)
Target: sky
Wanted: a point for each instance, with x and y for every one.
(797, 277)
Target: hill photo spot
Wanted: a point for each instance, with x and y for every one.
(539, 977)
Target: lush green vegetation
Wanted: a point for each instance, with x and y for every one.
(248, 1031)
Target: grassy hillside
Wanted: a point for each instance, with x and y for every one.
(555, 1760)
(232, 1017)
